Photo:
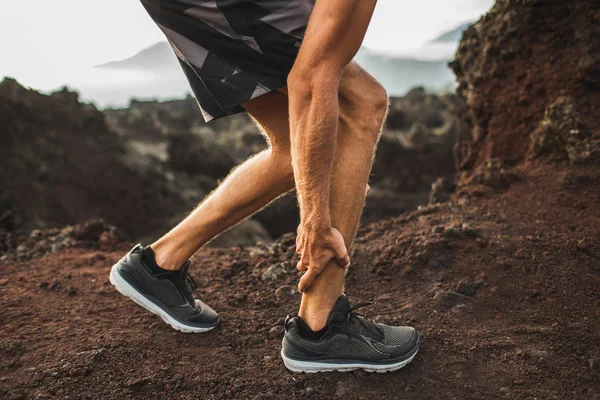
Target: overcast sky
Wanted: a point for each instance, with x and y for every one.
(43, 41)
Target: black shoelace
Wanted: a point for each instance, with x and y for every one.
(191, 286)
(354, 319)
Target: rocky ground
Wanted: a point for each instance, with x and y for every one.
(500, 273)
(504, 292)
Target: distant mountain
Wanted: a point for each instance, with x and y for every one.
(426, 66)
(159, 56)
(159, 75)
(452, 36)
(399, 74)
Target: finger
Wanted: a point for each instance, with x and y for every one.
(341, 254)
(301, 266)
(343, 262)
(307, 279)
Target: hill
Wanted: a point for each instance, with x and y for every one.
(156, 58)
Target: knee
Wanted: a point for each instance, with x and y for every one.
(364, 104)
(379, 102)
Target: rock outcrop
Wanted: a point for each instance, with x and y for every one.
(60, 164)
(529, 77)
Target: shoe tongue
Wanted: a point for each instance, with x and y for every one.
(339, 311)
(185, 267)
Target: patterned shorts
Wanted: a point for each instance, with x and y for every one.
(232, 51)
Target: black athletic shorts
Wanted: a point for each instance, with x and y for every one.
(232, 51)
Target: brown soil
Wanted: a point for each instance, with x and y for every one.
(526, 326)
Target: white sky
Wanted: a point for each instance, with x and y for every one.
(42, 41)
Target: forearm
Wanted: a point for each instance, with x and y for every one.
(314, 113)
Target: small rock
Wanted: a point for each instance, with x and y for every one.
(504, 389)
(449, 298)
(91, 230)
(238, 299)
(54, 285)
(453, 231)
(466, 287)
(277, 330)
(286, 291)
(136, 384)
(437, 229)
(109, 238)
(274, 273)
(467, 230)
(583, 245)
(595, 364)
(441, 190)
(71, 291)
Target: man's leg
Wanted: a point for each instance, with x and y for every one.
(247, 189)
(363, 107)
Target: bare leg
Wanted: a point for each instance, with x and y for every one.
(247, 189)
(363, 106)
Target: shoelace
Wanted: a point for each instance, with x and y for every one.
(191, 284)
(352, 316)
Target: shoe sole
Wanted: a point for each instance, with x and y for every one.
(127, 290)
(316, 366)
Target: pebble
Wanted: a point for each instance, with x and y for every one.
(274, 272)
(286, 291)
(449, 298)
(277, 330)
(595, 364)
(437, 229)
(54, 285)
(466, 287)
(583, 245)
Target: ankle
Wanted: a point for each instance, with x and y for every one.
(316, 320)
(164, 258)
(314, 324)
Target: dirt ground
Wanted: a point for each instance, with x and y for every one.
(504, 287)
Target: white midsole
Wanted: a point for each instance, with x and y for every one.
(309, 366)
(127, 290)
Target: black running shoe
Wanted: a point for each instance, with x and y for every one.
(170, 295)
(348, 342)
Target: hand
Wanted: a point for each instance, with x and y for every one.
(316, 248)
